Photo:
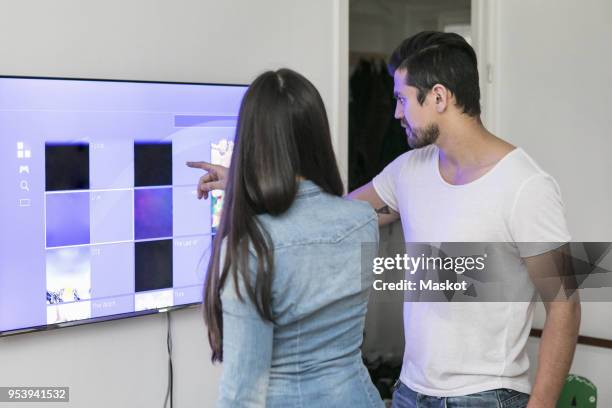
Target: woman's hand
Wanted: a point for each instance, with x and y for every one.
(214, 179)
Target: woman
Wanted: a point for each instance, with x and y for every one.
(285, 297)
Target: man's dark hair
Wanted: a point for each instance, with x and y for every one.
(433, 57)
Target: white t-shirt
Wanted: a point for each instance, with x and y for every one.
(457, 349)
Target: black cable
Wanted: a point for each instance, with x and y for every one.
(170, 371)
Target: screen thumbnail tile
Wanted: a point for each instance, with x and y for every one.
(66, 166)
(68, 274)
(191, 256)
(152, 213)
(112, 164)
(190, 215)
(220, 153)
(112, 216)
(152, 164)
(67, 219)
(153, 265)
(112, 269)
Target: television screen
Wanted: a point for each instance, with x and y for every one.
(99, 214)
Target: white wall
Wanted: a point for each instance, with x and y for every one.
(553, 96)
(123, 363)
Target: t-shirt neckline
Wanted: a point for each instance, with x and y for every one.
(436, 169)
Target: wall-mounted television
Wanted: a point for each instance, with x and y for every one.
(99, 217)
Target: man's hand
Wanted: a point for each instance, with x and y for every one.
(214, 179)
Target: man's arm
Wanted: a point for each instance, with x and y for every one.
(386, 215)
(551, 274)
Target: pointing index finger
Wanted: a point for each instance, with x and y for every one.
(200, 165)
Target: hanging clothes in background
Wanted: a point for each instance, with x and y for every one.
(375, 137)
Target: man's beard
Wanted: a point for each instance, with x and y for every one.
(422, 137)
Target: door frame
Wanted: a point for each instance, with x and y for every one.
(485, 23)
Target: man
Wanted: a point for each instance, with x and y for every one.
(462, 183)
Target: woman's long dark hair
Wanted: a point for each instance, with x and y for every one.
(282, 134)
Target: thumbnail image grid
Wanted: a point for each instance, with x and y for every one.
(134, 213)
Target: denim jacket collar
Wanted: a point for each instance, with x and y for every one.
(307, 188)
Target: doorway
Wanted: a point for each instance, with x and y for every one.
(375, 138)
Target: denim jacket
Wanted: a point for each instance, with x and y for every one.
(310, 357)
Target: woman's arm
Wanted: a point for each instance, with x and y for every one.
(216, 177)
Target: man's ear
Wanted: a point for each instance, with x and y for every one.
(441, 97)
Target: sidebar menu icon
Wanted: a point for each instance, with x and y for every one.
(24, 153)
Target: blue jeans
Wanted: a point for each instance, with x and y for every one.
(404, 397)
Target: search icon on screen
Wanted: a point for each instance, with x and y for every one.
(24, 185)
